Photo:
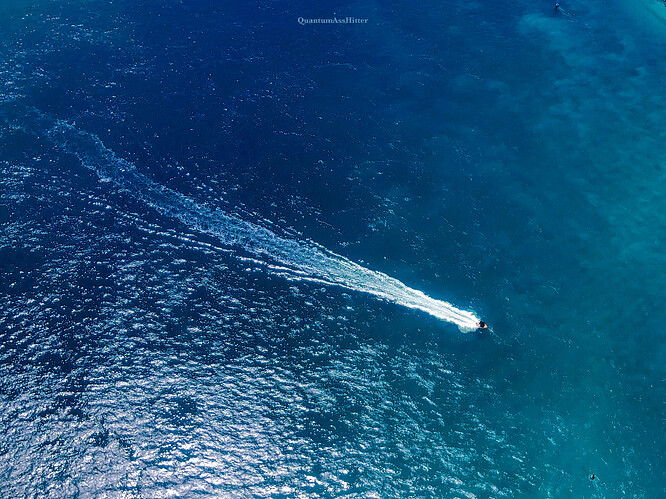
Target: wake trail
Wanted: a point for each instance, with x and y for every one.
(291, 258)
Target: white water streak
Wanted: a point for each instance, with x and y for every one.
(296, 259)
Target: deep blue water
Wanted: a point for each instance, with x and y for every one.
(504, 157)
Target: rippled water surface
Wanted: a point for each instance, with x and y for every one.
(506, 158)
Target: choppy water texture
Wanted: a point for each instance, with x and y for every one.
(505, 158)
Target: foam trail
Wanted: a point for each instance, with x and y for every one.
(292, 258)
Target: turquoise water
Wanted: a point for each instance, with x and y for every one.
(505, 158)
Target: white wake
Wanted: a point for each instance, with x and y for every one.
(297, 259)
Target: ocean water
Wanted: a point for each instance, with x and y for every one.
(205, 207)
